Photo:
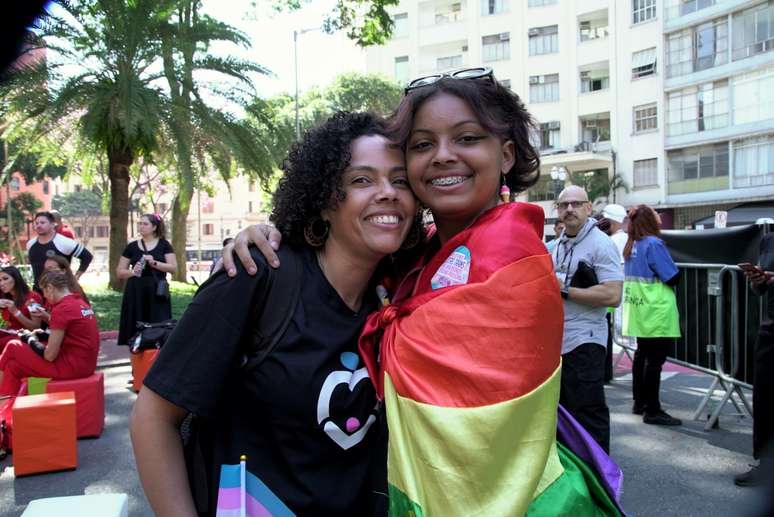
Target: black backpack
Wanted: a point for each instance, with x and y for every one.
(283, 290)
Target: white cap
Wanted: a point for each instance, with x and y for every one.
(615, 213)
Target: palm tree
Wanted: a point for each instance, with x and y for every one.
(96, 74)
(212, 138)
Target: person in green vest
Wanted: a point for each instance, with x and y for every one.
(649, 310)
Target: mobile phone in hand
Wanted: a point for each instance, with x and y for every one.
(750, 268)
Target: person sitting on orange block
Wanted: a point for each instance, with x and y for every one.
(71, 350)
(15, 301)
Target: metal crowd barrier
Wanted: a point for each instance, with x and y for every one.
(719, 319)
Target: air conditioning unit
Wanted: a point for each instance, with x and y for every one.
(505, 36)
(534, 79)
(585, 75)
(553, 125)
(464, 48)
(534, 32)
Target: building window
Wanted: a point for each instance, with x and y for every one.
(550, 135)
(541, 3)
(401, 28)
(593, 29)
(76, 188)
(594, 80)
(249, 207)
(490, 7)
(754, 162)
(699, 48)
(644, 63)
(46, 187)
(596, 128)
(496, 47)
(102, 231)
(544, 40)
(753, 31)
(544, 88)
(645, 118)
(445, 63)
(698, 108)
(448, 14)
(208, 229)
(645, 173)
(251, 186)
(543, 190)
(402, 69)
(754, 96)
(208, 205)
(677, 8)
(15, 185)
(698, 169)
(643, 10)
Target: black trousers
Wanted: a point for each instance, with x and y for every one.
(609, 355)
(646, 371)
(763, 394)
(583, 390)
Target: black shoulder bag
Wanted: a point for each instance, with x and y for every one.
(269, 323)
(162, 286)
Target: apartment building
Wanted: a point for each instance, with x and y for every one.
(633, 88)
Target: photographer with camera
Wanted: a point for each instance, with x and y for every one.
(18, 303)
(68, 352)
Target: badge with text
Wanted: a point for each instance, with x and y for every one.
(454, 270)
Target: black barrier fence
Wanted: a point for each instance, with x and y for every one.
(719, 315)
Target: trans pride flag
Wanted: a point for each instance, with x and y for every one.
(241, 494)
(469, 367)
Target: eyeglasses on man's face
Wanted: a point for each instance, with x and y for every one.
(483, 72)
(564, 205)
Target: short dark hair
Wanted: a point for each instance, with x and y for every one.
(499, 110)
(158, 225)
(47, 215)
(313, 170)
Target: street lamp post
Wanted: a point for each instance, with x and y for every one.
(296, 33)
(559, 176)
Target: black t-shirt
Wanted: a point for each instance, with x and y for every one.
(306, 417)
(134, 252)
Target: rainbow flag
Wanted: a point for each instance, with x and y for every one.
(242, 494)
(469, 368)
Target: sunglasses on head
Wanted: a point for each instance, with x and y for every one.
(482, 72)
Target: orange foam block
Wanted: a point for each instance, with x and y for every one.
(141, 363)
(44, 433)
(89, 402)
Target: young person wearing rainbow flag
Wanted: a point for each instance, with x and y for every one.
(468, 355)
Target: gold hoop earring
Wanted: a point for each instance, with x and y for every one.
(316, 231)
(416, 233)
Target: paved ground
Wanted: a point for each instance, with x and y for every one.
(668, 471)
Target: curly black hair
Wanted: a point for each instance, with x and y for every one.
(499, 110)
(313, 170)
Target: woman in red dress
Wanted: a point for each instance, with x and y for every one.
(71, 349)
(15, 299)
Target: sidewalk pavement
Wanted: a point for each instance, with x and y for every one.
(681, 471)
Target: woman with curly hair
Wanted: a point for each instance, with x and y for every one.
(467, 358)
(304, 416)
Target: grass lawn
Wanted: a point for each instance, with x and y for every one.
(107, 303)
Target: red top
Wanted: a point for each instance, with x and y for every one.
(65, 230)
(81, 339)
(15, 324)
